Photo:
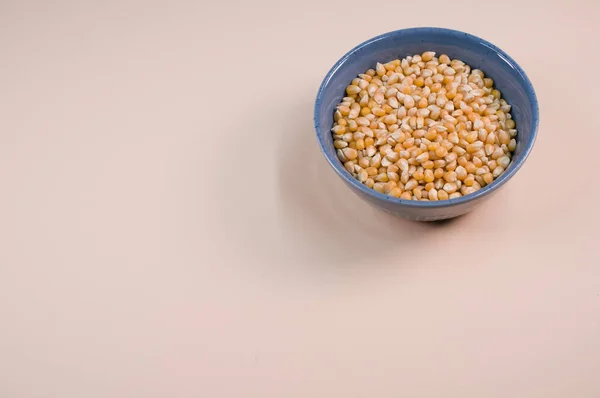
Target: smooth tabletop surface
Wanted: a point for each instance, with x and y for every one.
(169, 228)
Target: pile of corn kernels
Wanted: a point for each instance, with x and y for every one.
(424, 128)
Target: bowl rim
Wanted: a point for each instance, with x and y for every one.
(488, 189)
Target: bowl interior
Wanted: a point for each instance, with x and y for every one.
(507, 75)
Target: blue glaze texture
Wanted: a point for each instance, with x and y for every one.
(508, 77)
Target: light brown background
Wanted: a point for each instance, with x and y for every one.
(168, 227)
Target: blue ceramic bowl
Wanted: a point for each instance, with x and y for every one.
(508, 76)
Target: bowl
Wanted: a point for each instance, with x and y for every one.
(508, 76)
